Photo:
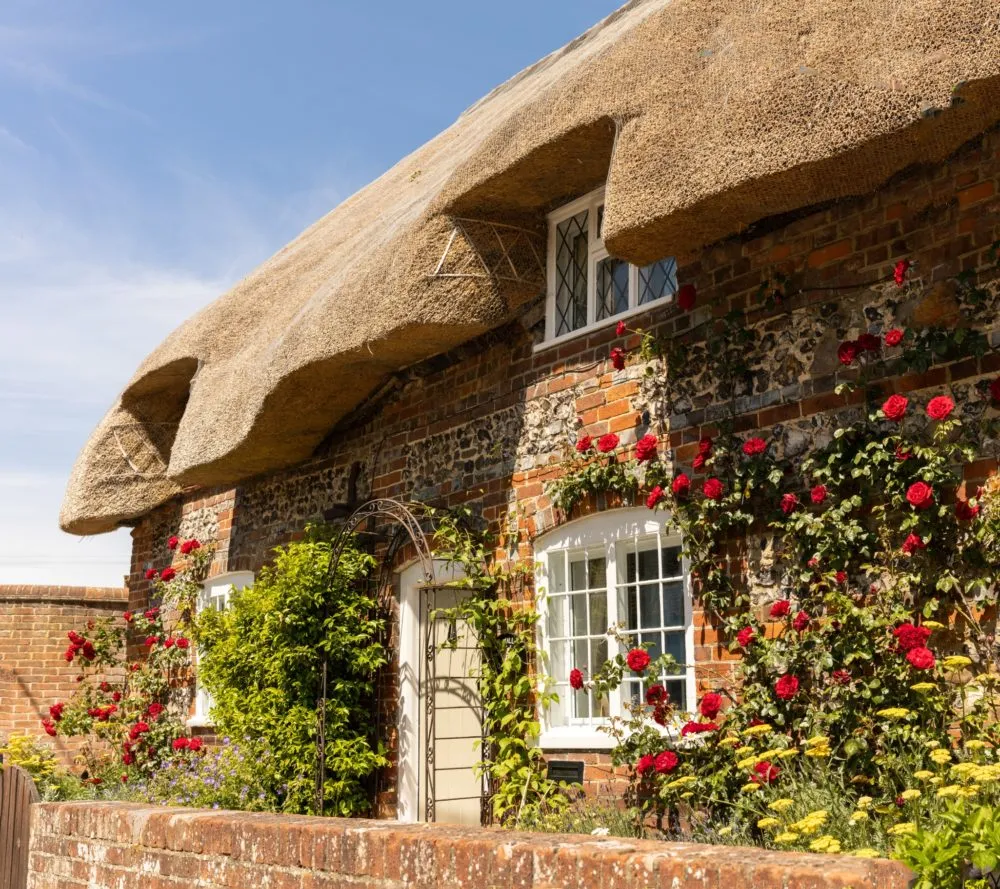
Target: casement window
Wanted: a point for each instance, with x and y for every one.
(587, 288)
(215, 594)
(622, 568)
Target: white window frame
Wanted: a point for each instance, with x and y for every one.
(219, 587)
(605, 532)
(595, 253)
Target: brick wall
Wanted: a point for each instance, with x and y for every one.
(34, 621)
(489, 423)
(109, 846)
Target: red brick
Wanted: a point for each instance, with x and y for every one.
(975, 194)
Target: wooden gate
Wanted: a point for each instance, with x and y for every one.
(17, 793)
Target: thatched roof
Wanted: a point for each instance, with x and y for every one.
(702, 115)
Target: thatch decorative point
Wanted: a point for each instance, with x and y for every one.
(703, 116)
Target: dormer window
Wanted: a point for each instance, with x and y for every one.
(587, 288)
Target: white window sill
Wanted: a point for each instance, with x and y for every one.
(199, 721)
(576, 738)
(605, 322)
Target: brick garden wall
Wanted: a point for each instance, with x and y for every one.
(114, 846)
(34, 621)
(489, 423)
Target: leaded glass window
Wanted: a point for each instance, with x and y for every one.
(572, 259)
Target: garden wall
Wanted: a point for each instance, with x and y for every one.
(489, 423)
(116, 846)
(34, 621)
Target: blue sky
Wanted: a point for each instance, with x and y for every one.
(151, 154)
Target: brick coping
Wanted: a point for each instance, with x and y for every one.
(40, 593)
(255, 847)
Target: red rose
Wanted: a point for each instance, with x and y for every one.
(167, 574)
(127, 617)
(189, 546)
(154, 709)
(128, 759)
(656, 694)
(637, 660)
(70, 654)
(847, 352)
(789, 503)
(140, 728)
(124, 779)
(842, 677)
(575, 679)
(182, 642)
(55, 711)
(655, 496)
(705, 446)
(868, 342)
(800, 622)
(666, 762)
(910, 636)
(584, 444)
(841, 576)
(712, 489)
(618, 358)
(168, 642)
(75, 638)
(607, 443)
(681, 485)
(752, 447)
(765, 772)
(50, 729)
(818, 494)
(646, 763)
(87, 650)
(920, 495)
(710, 705)
(686, 297)
(965, 511)
(699, 461)
(620, 328)
(150, 641)
(786, 687)
(921, 658)
(645, 448)
(151, 573)
(901, 455)
(150, 613)
(194, 745)
(180, 744)
(697, 728)
(116, 696)
(105, 687)
(995, 390)
(172, 542)
(940, 407)
(893, 337)
(745, 636)
(895, 407)
(780, 608)
(899, 272)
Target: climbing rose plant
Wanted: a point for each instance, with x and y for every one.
(134, 671)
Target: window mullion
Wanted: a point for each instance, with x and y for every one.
(615, 697)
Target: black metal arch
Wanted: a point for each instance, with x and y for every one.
(404, 517)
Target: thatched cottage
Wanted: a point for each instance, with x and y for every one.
(444, 334)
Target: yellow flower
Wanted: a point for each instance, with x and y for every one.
(923, 686)
(750, 787)
(923, 775)
(861, 779)
(683, 781)
(949, 790)
(747, 763)
(864, 802)
(912, 793)
(941, 756)
(858, 816)
(864, 853)
(755, 730)
(787, 837)
(687, 795)
(782, 805)
(955, 662)
(905, 827)
(730, 741)
(975, 745)
(818, 741)
(933, 625)
(812, 822)
(825, 843)
(743, 751)
(725, 831)
(818, 752)
(937, 780)
(893, 713)
(932, 745)
(788, 754)
(768, 823)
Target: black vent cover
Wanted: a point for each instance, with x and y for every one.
(570, 771)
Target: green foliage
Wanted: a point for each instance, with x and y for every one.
(588, 474)
(504, 624)
(53, 781)
(261, 662)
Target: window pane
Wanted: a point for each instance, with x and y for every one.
(677, 690)
(673, 604)
(612, 287)
(656, 648)
(597, 574)
(630, 568)
(557, 573)
(559, 664)
(675, 646)
(577, 575)
(598, 654)
(555, 624)
(657, 281)
(598, 613)
(578, 614)
(649, 565)
(649, 605)
(572, 251)
(672, 561)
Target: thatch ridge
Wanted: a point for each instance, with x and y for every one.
(704, 116)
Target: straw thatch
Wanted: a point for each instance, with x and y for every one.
(702, 115)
